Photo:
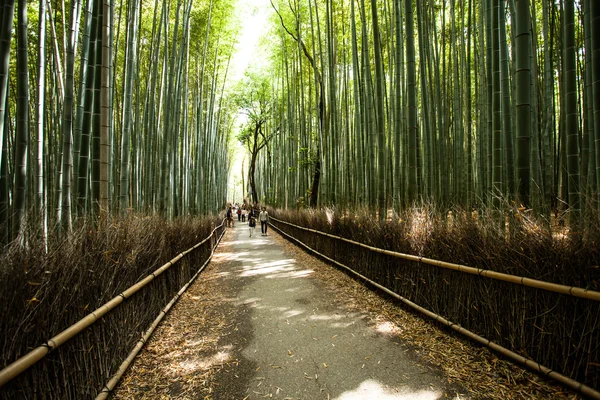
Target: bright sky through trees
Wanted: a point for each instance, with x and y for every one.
(253, 17)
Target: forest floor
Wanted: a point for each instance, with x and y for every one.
(266, 320)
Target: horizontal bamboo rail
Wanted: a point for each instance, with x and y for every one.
(23, 363)
(529, 363)
(519, 280)
(114, 380)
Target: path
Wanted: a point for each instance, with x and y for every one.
(258, 323)
(266, 320)
(305, 346)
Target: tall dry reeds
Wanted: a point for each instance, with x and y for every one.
(559, 331)
(44, 292)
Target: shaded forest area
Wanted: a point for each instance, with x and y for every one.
(461, 103)
(109, 107)
(482, 117)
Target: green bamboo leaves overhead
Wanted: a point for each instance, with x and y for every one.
(382, 103)
(130, 111)
(468, 103)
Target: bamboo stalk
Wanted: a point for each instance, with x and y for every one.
(519, 280)
(112, 383)
(23, 363)
(529, 363)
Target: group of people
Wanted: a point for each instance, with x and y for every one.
(250, 213)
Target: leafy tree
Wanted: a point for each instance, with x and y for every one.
(255, 104)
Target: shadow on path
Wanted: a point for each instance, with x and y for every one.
(291, 340)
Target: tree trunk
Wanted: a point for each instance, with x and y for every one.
(572, 128)
(523, 99)
(131, 61)
(67, 118)
(22, 131)
(5, 38)
(105, 110)
(413, 190)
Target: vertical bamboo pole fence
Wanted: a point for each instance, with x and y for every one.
(531, 364)
(114, 380)
(28, 360)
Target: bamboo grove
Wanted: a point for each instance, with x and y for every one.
(472, 104)
(109, 106)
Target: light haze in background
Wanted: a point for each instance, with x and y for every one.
(252, 16)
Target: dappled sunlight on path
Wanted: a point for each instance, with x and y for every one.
(303, 345)
(371, 389)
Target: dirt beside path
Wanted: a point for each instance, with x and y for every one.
(265, 320)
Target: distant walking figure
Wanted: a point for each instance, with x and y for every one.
(244, 215)
(251, 224)
(239, 213)
(263, 217)
(229, 217)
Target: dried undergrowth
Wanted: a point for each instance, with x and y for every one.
(45, 292)
(558, 331)
(481, 372)
(184, 354)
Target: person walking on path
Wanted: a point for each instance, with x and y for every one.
(263, 217)
(251, 224)
(229, 217)
(239, 213)
(244, 215)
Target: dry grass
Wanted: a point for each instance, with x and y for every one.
(558, 331)
(44, 293)
(468, 365)
(182, 357)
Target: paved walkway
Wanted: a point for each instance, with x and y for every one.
(292, 340)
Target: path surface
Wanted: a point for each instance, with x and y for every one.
(297, 343)
(266, 320)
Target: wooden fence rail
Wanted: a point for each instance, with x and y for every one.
(519, 280)
(37, 354)
(529, 363)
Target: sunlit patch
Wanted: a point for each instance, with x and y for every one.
(325, 317)
(292, 313)
(223, 257)
(342, 325)
(275, 269)
(195, 343)
(559, 236)
(387, 328)
(371, 389)
(263, 270)
(278, 263)
(420, 228)
(329, 214)
(189, 366)
(292, 274)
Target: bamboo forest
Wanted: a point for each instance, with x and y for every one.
(447, 151)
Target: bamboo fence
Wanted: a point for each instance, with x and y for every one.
(513, 279)
(23, 363)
